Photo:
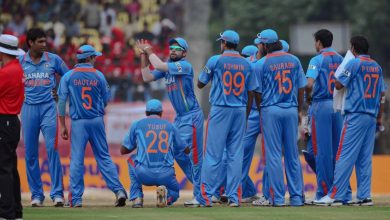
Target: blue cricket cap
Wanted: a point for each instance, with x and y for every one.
(257, 41)
(285, 45)
(267, 36)
(153, 105)
(229, 36)
(86, 51)
(180, 41)
(249, 50)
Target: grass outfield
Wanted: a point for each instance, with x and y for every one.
(223, 213)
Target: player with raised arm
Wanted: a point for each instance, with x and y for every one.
(39, 114)
(156, 140)
(231, 78)
(88, 93)
(178, 76)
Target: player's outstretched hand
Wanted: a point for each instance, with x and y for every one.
(142, 45)
(64, 133)
(54, 94)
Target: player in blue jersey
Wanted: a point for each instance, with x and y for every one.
(231, 77)
(281, 87)
(363, 80)
(155, 140)
(325, 123)
(178, 76)
(249, 52)
(88, 94)
(39, 114)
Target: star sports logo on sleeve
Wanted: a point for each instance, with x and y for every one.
(179, 68)
(312, 67)
(346, 73)
(206, 70)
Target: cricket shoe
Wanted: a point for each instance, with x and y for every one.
(120, 199)
(250, 199)
(161, 196)
(36, 203)
(363, 202)
(234, 205)
(138, 203)
(327, 201)
(262, 201)
(192, 203)
(58, 202)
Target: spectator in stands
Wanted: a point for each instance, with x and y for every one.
(107, 19)
(72, 27)
(144, 34)
(173, 10)
(90, 14)
(133, 8)
(18, 26)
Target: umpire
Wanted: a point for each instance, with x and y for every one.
(11, 101)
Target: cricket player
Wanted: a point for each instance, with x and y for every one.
(88, 94)
(155, 140)
(363, 80)
(39, 114)
(232, 78)
(281, 85)
(178, 76)
(325, 123)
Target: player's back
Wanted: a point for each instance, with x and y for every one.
(155, 142)
(229, 80)
(324, 84)
(364, 91)
(88, 93)
(281, 76)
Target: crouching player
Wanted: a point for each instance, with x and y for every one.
(152, 165)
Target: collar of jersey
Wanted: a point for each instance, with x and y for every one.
(326, 49)
(28, 58)
(230, 51)
(153, 116)
(83, 65)
(364, 55)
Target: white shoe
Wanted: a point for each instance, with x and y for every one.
(215, 199)
(192, 203)
(138, 203)
(262, 201)
(233, 204)
(58, 202)
(249, 199)
(363, 202)
(36, 203)
(327, 201)
(161, 196)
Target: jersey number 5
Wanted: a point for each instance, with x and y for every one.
(86, 97)
(162, 139)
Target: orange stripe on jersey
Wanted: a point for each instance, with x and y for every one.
(204, 195)
(366, 59)
(341, 141)
(328, 54)
(239, 193)
(231, 55)
(85, 69)
(334, 191)
(131, 162)
(314, 136)
(194, 146)
(324, 187)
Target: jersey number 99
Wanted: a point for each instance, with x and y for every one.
(234, 83)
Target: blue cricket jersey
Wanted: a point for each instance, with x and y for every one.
(180, 86)
(232, 78)
(280, 75)
(322, 68)
(87, 89)
(253, 59)
(156, 140)
(363, 79)
(40, 78)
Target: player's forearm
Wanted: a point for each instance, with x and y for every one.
(62, 121)
(381, 107)
(301, 93)
(156, 61)
(249, 103)
(124, 150)
(309, 89)
(258, 100)
(147, 76)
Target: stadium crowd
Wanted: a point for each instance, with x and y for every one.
(111, 26)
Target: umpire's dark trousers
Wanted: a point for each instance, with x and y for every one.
(10, 201)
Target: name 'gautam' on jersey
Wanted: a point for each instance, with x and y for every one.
(280, 76)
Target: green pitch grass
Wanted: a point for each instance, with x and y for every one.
(218, 212)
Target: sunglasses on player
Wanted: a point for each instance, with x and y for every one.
(176, 48)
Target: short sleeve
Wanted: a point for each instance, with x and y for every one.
(346, 76)
(207, 71)
(60, 66)
(63, 89)
(179, 68)
(158, 74)
(314, 68)
(129, 141)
